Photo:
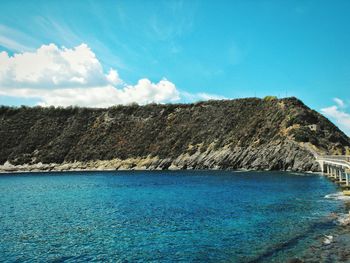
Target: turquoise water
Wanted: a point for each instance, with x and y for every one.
(192, 216)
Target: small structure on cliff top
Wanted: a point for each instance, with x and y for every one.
(313, 127)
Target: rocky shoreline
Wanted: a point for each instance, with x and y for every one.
(285, 156)
(333, 247)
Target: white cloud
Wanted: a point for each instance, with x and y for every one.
(340, 117)
(63, 77)
(11, 43)
(189, 97)
(13, 39)
(113, 77)
(52, 67)
(57, 29)
(339, 102)
(143, 92)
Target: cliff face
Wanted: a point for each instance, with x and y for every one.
(244, 133)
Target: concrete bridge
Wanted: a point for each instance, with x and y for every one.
(337, 168)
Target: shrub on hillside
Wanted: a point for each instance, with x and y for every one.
(270, 98)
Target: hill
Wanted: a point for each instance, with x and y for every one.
(252, 133)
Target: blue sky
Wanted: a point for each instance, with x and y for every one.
(180, 50)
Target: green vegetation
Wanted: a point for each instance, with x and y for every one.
(270, 98)
(55, 135)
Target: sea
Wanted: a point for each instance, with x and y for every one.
(163, 216)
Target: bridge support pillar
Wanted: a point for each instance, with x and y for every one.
(321, 163)
(342, 176)
(335, 172)
(337, 175)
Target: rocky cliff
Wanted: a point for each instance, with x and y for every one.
(252, 133)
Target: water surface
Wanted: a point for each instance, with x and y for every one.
(196, 216)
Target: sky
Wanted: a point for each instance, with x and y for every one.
(102, 53)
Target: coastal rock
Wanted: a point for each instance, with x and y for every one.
(344, 219)
(327, 240)
(251, 134)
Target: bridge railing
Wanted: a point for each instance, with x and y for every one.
(345, 158)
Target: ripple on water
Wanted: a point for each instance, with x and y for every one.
(338, 196)
(162, 216)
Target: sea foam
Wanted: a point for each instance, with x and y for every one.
(337, 196)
